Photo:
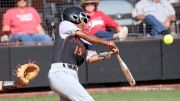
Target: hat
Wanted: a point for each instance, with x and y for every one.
(83, 2)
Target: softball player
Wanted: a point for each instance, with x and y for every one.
(72, 47)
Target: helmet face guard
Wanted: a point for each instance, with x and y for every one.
(85, 19)
(76, 15)
(82, 17)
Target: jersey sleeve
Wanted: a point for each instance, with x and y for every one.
(90, 51)
(67, 28)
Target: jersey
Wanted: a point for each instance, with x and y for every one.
(68, 47)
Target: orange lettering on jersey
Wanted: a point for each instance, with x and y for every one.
(78, 51)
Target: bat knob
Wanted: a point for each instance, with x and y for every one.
(132, 83)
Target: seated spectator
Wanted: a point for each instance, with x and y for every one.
(99, 21)
(24, 24)
(157, 13)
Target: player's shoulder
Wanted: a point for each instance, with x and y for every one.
(66, 24)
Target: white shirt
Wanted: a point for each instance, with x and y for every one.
(159, 10)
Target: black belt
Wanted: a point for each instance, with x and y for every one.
(70, 66)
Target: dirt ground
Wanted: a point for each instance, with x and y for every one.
(156, 87)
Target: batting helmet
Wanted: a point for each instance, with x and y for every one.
(83, 2)
(75, 15)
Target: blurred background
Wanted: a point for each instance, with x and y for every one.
(120, 10)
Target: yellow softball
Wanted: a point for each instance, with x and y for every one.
(168, 39)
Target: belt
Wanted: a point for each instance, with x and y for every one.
(70, 66)
(66, 65)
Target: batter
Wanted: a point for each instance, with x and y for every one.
(72, 47)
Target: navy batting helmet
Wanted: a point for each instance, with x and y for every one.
(75, 15)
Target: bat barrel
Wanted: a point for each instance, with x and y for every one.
(126, 71)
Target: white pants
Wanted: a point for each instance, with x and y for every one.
(65, 82)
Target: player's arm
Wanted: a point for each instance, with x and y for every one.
(94, 39)
(91, 38)
(102, 56)
(7, 85)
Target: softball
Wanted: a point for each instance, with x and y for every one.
(168, 39)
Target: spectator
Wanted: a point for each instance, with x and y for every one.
(99, 21)
(24, 24)
(157, 13)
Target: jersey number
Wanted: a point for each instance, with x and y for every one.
(78, 51)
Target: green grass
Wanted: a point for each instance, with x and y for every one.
(169, 95)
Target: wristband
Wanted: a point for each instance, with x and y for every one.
(110, 43)
(7, 85)
(104, 55)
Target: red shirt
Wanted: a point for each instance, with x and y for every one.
(99, 21)
(25, 22)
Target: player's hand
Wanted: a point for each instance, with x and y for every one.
(115, 51)
(21, 82)
(111, 45)
(113, 48)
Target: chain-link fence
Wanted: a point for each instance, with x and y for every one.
(120, 10)
(49, 10)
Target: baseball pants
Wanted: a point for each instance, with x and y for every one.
(65, 82)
